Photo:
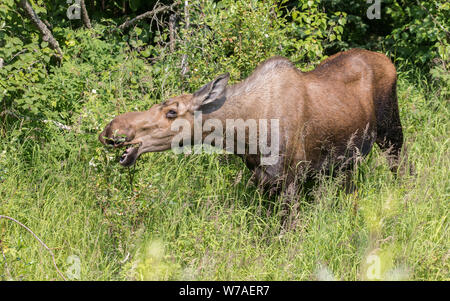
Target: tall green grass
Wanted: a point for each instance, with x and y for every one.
(199, 217)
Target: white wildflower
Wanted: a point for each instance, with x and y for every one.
(91, 163)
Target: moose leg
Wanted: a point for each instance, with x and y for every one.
(268, 178)
(389, 131)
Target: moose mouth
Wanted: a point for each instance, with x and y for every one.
(129, 156)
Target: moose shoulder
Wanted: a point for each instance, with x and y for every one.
(330, 115)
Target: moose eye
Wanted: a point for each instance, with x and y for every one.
(171, 114)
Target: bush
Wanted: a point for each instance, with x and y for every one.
(235, 36)
(420, 30)
(412, 31)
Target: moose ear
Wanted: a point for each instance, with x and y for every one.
(211, 95)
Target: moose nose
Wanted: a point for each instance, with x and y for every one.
(115, 141)
(116, 133)
(109, 139)
(101, 138)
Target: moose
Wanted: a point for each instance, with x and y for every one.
(328, 116)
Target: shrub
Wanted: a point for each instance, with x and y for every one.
(234, 36)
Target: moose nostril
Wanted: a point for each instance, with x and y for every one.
(119, 140)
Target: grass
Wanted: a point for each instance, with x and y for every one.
(199, 218)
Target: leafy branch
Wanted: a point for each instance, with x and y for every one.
(150, 14)
(43, 29)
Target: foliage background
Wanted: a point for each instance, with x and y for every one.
(199, 217)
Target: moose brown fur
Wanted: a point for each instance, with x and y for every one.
(332, 114)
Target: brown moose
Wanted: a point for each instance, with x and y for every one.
(330, 115)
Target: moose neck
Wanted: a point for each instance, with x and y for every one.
(235, 104)
(236, 107)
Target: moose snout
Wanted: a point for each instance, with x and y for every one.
(102, 136)
(114, 137)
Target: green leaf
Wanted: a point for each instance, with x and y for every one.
(138, 31)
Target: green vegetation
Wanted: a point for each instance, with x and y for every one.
(199, 217)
